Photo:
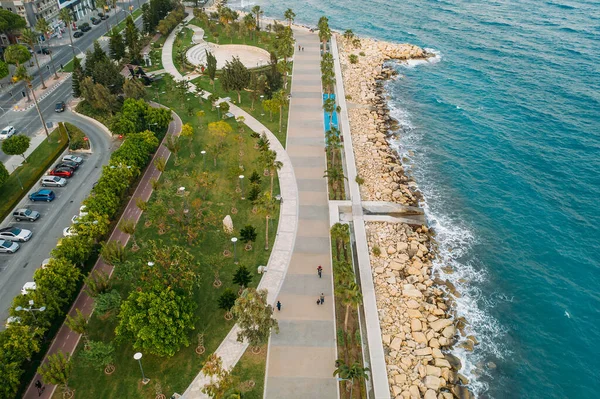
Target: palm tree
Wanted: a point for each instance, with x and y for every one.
(351, 297)
(250, 23)
(45, 29)
(329, 107)
(266, 203)
(289, 15)
(282, 100)
(127, 226)
(333, 143)
(65, 16)
(271, 163)
(335, 176)
(17, 55)
(348, 34)
(340, 233)
(30, 38)
(355, 371)
(256, 10)
(324, 32)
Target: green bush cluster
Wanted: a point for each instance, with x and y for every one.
(76, 136)
(58, 283)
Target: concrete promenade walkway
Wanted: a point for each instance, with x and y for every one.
(301, 357)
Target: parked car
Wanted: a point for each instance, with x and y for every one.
(102, 16)
(7, 132)
(69, 231)
(46, 263)
(8, 247)
(95, 21)
(73, 158)
(29, 286)
(77, 34)
(53, 181)
(83, 211)
(26, 214)
(85, 27)
(15, 234)
(60, 107)
(42, 195)
(62, 172)
(12, 320)
(68, 164)
(44, 51)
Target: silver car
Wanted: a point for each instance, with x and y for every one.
(53, 181)
(8, 247)
(15, 234)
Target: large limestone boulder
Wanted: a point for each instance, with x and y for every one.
(228, 225)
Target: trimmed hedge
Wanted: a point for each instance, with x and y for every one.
(59, 283)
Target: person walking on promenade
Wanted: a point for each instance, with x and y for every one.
(278, 306)
(322, 299)
(318, 301)
(319, 271)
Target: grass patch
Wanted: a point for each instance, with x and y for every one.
(215, 32)
(27, 175)
(251, 369)
(257, 111)
(175, 373)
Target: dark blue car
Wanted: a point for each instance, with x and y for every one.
(42, 195)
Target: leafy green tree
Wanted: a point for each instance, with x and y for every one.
(269, 159)
(289, 15)
(173, 266)
(211, 67)
(93, 57)
(99, 355)
(3, 69)
(45, 29)
(19, 342)
(16, 145)
(77, 77)
(97, 283)
(248, 234)
(11, 23)
(329, 107)
(134, 88)
(78, 324)
(220, 380)
(4, 175)
(242, 277)
(74, 249)
(30, 38)
(107, 74)
(16, 54)
(282, 101)
(235, 76)
(132, 40)
(10, 375)
(227, 300)
(250, 23)
(59, 282)
(57, 370)
(254, 317)
(116, 45)
(157, 321)
(173, 144)
(159, 116)
(187, 131)
(351, 296)
(97, 95)
(107, 302)
(271, 106)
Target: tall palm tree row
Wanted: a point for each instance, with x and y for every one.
(67, 18)
(30, 38)
(44, 28)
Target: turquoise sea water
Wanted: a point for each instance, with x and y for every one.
(503, 137)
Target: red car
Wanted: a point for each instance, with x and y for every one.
(62, 172)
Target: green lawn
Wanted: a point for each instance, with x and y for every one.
(271, 122)
(28, 174)
(175, 373)
(251, 369)
(218, 34)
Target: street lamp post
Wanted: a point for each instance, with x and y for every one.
(138, 357)
(261, 100)
(152, 124)
(30, 309)
(203, 159)
(234, 240)
(242, 185)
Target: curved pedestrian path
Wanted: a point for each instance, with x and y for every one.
(67, 340)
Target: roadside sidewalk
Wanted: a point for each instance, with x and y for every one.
(15, 161)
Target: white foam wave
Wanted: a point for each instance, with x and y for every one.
(455, 242)
(409, 64)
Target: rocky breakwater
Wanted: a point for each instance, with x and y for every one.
(417, 324)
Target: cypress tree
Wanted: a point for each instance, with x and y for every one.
(77, 76)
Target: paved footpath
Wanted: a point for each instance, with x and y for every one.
(301, 357)
(66, 340)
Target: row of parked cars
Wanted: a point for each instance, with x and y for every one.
(85, 27)
(12, 235)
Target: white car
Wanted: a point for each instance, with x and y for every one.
(46, 263)
(83, 211)
(7, 132)
(69, 232)
(73, 158)
(29, 286)
(12, 320)
(75, 219)
(15, 234)
(8, 247)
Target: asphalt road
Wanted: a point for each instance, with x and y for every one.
(62, 54)
(18, 268)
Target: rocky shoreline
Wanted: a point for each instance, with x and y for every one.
(417, 322)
